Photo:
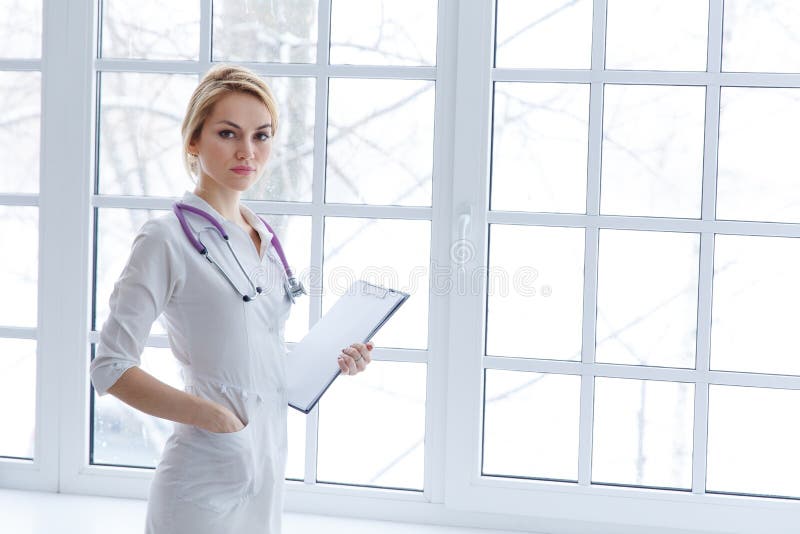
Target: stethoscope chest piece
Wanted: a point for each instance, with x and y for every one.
(293, 288)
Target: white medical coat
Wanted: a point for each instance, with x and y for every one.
(231, 352)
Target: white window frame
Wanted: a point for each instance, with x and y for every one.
(454, 490)
(69, 120)
(624, 507)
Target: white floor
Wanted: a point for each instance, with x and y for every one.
(28, 512)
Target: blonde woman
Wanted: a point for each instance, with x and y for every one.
(225, 301)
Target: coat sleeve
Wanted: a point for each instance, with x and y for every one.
(153, 273)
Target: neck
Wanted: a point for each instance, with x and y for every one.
(225, 201)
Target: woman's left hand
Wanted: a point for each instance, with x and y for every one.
(355, 358)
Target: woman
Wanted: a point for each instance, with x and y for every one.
(222, 469)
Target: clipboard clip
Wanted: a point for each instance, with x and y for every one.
(372, 289)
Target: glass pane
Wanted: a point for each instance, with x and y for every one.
(116, 230)
(295, 462)
(140, 133)
(294, 232)
(126, 436)
(19, 268)
(383, 32)
(141, 146)
(758, 139)
(756, 290)
(652, 150)
(752, 441)
(21, 28)
(380, 142)
(391, 253)
(761, 36)
(383, 444)
(656, 35)
(17, 397)
(546, 34)
(150, 29)
(647, 298)
(535, 299)
(265, 31)
(289, 172)
(19, 136)
(539, 150)
(643, 433)
(530, 426)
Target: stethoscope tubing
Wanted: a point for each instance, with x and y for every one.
(294, 288)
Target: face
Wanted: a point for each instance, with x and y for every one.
(234, 143)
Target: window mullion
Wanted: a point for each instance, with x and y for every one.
(469, 203)
(318, 219)
(591, 244)
(444, 128)
(64, 214)
(586, 424)
(706, 274)
(204, 54)
(700, 433)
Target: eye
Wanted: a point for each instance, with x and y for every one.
(224, 134)
(264, 136)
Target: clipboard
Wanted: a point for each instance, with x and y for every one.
(311, 366)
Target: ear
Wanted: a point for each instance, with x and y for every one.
(192, 145)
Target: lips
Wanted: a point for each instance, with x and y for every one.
(242, 169)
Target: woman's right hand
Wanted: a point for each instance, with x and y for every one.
(219, 419)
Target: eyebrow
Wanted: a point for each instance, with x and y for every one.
(267, 125)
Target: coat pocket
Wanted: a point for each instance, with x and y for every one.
(220, 468)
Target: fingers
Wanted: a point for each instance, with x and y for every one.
(355, 358)
(363, 351)
(347, 363)
(343, 367)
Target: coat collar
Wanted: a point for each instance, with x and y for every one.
(249, 215)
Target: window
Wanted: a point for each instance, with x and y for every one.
(20, 119)
(631, 240)
(354, 155)
(593, 204)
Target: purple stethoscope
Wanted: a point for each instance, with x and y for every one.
(293, 287)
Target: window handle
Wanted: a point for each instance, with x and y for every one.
(462, 250)
(464, 221)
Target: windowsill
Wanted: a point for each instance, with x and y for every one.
(33, 512)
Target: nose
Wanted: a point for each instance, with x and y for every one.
(245, 150)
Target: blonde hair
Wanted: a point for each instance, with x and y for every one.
(220, 80)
